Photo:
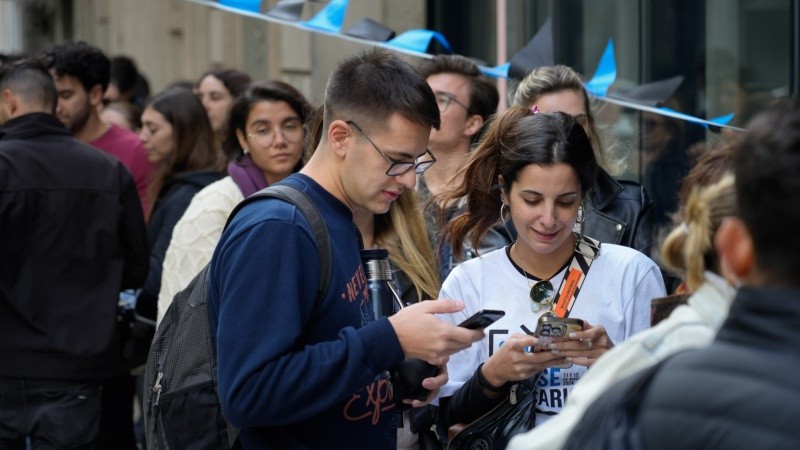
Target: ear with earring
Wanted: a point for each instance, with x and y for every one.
(505, 212)
(245, 150)
(581, 216)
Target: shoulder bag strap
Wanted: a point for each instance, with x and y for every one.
(586, 251)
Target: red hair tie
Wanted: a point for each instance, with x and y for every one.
(535, 109)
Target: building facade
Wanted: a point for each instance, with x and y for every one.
(735, 56)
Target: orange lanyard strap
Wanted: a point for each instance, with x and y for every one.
(586, 251)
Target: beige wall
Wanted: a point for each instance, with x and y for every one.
(10, 27)
(179, 40)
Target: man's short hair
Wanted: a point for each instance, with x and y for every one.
(767, 165)
(80, 60)
(483, 96)
(30, 80)
(373, 85)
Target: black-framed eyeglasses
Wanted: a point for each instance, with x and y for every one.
(397, 168)
(443, 100)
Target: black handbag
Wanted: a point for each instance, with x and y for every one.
(514, 415)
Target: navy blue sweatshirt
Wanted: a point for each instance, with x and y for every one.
(288, 379)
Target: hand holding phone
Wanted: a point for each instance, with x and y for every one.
(482, 319)
(551, 329)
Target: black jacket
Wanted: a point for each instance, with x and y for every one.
(173, 199)
(72, 236)
(618, 212)
(743, 391)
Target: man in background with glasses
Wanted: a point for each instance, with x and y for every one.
(293, 375)
(467, 100)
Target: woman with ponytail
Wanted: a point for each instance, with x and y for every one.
(618, 211)
(537, 170)
(689, 250)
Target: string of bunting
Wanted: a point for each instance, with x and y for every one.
(416, 42)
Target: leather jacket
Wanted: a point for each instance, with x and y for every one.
(618, 212)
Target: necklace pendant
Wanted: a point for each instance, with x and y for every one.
(542, 292)
(541, 295)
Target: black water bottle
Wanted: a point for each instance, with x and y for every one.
(408, 375)
(379, 282)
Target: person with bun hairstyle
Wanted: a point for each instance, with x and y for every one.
(537, 170)
(689, 251)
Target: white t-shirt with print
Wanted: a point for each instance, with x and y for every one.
(616, 293)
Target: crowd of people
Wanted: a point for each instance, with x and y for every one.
(113, 199)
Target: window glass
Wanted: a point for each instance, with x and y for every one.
(735, 57)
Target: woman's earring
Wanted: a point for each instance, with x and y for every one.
(505, 212)
(581, 216)
(245, 150)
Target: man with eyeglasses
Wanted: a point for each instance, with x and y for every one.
(467, 99)
(400, 168)
(292, 375)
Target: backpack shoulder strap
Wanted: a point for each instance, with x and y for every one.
(322, 240)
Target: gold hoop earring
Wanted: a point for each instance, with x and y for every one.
(581, 215)
(507, 216)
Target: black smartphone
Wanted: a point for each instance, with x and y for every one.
(482, 319)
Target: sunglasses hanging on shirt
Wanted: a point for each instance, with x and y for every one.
(543, 295)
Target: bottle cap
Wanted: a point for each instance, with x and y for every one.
(374, 253)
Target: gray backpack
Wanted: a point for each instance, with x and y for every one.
(181, 404)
